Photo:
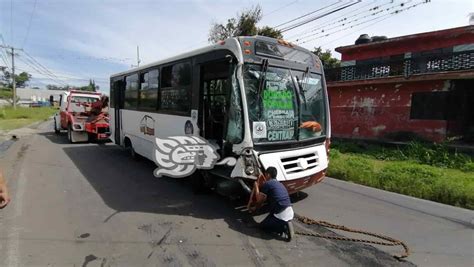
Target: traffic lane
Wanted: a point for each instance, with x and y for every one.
(63, 220)
(176, 198)
(82, 203)
(433, 239)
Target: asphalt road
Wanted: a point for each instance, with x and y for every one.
(91, 205)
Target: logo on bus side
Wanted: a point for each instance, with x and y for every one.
(180, 156)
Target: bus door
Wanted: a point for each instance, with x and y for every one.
(214, 101)
(118, 93)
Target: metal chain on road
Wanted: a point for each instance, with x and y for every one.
(390, 241)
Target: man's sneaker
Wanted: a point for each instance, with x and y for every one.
(290, 231)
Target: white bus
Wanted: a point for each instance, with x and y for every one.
(260, 100)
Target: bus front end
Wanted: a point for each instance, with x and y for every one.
(287, 113)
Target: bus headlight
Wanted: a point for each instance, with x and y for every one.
(249, 170)
(249, 161)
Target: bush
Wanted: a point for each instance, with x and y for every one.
(437, 155)
(448, 186)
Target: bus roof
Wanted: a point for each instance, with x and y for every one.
(233, 44)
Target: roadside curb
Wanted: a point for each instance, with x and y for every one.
(451, 213)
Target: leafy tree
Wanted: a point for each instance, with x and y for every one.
(326, 58)
(244, 24)
(91, 87)
(270, 32)
(21, 80)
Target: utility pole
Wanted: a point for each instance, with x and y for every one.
(138, 59)
(12, 49)
(138, 56)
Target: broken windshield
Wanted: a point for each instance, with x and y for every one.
(281, 111)
(273, 113)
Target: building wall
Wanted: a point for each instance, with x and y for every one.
(372, 111)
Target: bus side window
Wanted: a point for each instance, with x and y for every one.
(131, 92)
(148, 93)
(176, 87)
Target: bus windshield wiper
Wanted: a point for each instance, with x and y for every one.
(263, 75)
(302, 85)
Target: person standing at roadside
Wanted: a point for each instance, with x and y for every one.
(4, 197)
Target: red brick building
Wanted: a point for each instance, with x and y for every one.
(415, 85)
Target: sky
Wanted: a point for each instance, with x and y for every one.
(78, 40)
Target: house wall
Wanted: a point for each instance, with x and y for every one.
(372, 111)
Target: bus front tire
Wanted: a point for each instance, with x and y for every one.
(199, 182)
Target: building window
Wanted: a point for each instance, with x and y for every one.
(148, 90)
(176, 87)
(131, 91)
(429, 105)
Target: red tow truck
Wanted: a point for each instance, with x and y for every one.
(84, 115)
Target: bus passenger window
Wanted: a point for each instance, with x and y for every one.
(175, 88)
(148, 90)
(131, 91)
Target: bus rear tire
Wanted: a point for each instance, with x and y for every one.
(128, 145)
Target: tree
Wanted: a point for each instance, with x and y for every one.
(21, 80)
(270, 32)
(326, 58)
(244, 24)
(91, 87)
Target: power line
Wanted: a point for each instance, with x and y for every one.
(4, 52)
(377, 10)
(39, 64)
(11, 21)
(307, 14)
(65, 77)
(338, 19)
(29, 24)
(291, 27)
(38, 71)
(278, 9)
(398, 11)
(41, 67)
(367, 26)
(13, 54)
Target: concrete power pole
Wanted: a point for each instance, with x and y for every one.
(138, 56)
(12, 49)
(13, 77)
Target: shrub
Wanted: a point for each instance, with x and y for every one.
(437, 155)
(452, 187)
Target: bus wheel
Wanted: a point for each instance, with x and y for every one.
(199, 185)
(131, 150)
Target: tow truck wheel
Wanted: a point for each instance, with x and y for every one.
(56, 130)
(69, 134)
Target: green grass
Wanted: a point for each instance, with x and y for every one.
(16, 118)
(437, 155)
(409, 177)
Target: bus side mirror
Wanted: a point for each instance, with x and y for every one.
(229, 58)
